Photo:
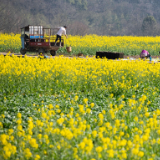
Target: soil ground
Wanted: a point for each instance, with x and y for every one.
(137, 56)
(74, 55)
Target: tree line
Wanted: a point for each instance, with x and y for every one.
(101, 17)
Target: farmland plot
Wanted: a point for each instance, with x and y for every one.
(90, 44)
(77, 108)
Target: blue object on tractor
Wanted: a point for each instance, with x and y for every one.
(33, 37)
(22, 40)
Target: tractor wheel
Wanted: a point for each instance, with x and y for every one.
(23, 51)
(53, 53)
(41, 51)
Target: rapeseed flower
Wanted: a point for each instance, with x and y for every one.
(27, 153)
(117, 123)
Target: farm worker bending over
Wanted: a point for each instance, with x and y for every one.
(145, 54)
(62, 30)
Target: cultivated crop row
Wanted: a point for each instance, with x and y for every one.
(73, 108)
(90, 44)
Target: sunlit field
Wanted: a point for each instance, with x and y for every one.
(10, 42)
(90, 44)
(79, 109)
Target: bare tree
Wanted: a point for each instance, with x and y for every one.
(78, 28)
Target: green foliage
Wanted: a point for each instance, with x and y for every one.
(22, 93)
(149, 25)
(54, 111)
(122, 17)
(72, 1)
(81, 4)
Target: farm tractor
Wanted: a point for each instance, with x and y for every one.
(39, 39)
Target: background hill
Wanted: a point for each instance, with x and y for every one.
(101, 17)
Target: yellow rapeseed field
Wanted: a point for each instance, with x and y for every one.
(89, 44)
(74, 108)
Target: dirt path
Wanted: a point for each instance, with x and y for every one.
(137, 56)
(69, 56)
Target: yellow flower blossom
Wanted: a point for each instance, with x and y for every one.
(27, 153)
